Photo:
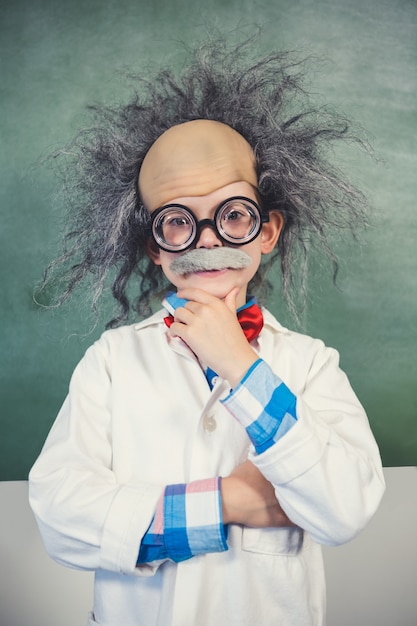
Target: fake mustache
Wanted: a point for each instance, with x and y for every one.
(206, 259)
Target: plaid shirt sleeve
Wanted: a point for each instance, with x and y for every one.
(188, 521)
(264, 406)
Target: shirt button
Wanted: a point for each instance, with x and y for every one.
(209, 423)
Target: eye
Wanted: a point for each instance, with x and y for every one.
(176, 220)
(173, 227)
(238, 221)
(237, 213)
(233, 215)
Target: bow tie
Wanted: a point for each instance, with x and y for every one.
(250, 318)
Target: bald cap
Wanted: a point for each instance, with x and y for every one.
(194, 159)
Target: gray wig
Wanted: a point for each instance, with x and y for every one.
(264, 100)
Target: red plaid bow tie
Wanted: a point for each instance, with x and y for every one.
(250, 318)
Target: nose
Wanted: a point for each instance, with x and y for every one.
(208, 237)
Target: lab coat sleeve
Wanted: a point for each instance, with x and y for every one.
(87, 520)
(326, 469)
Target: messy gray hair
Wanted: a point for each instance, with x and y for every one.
(265, 101)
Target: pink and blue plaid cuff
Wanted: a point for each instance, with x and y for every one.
(188, 521)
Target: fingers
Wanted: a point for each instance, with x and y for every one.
(203, 304)
(230, 299)
(183, 319)
(193, 294)
(248, 498)
(184, 314)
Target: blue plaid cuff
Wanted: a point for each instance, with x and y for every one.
(264, 405)
(188, 521)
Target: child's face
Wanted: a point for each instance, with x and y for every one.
(219, 282)
(200, 164)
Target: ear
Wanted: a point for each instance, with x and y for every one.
(153, 251)
(271, 231)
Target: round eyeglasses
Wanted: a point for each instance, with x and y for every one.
(237, 220)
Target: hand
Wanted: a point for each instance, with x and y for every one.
(249, 499)
(209, 326)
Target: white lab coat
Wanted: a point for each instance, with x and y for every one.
(140, 415)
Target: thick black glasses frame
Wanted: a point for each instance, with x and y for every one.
(199, 224)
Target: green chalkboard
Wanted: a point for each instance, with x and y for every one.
(57, 57)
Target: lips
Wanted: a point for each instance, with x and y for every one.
(210, 260)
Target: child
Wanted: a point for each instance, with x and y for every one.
(204, 454)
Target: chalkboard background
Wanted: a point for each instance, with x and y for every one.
(58, 56)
